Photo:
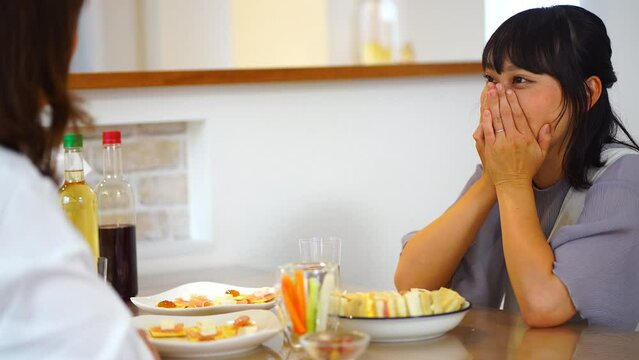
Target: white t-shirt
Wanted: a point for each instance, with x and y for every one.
(52, 303)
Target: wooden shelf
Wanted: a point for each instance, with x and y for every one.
(249, 76)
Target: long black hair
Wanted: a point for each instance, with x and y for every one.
(36, 45)
(570, 44)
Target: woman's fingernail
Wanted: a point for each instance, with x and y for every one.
(509, 91)
(500, 87)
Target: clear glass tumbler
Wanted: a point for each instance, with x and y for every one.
(306, 298)
(321, 249)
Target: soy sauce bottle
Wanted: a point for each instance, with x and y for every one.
(116, 219)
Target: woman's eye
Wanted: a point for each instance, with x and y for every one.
(519, 80)
(489, 78)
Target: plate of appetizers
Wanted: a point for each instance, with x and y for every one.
(206, 298)
(388, 316)
(212, 335)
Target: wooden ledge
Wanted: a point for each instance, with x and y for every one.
(249, 76)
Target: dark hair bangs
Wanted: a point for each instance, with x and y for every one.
(523, 40)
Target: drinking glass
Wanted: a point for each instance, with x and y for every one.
(305, 298)
(321, 249)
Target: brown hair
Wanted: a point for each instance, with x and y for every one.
(37, 39)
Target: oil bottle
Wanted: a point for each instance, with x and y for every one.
(78, 200)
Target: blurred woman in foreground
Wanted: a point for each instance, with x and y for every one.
(52, 303)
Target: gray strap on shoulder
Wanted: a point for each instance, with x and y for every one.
(574, 201)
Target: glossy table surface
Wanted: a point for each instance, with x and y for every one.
(483, 334)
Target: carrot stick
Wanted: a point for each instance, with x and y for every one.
(290, 299)
(301, 294)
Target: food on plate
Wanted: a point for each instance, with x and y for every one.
(166, 329)
(204, 330)
(166, 304)
(231, 297)
(233, 292)
(192, 301)
(391, 304)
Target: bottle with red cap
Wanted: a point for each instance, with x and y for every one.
(116, 219)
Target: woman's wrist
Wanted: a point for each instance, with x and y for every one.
(515, 185)
(514, 196)
(485, 182)
(486, 188)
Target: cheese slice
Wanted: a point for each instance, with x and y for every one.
(177, 330)
(208, 331)
(167, 325)
(205, 323)
(450, 299)
(245, 330)
(381, 307)
(427, 302)
(391, 303)
(400, 305)
(413, 303)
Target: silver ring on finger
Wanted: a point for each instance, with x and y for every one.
(499, 130)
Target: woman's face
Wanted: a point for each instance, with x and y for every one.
(539, 96)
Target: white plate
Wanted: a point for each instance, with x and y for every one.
(407, 328)
(268, 326)
(210, 289)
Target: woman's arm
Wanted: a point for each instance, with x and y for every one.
(432, 255)
(511, 158)
(543, 299)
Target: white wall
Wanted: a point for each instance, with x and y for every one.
(101, 44)
(367, 161)
(186, 34)
(498, 11)
(620, 17)
(342, 20)
(444, 31)
(363, 160)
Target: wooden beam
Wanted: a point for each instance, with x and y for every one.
(248, 76)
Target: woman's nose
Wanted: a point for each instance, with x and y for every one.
(505, 86)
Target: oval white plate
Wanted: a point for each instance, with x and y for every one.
(407, 328)
(210, 289)
(268, 326)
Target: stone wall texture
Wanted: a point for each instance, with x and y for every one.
(154, 161)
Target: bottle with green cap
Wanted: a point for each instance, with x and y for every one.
(78, 199)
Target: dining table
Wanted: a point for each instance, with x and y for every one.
(484, 333)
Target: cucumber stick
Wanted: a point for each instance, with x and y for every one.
(311, 304)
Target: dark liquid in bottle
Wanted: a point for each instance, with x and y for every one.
(117, 244)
